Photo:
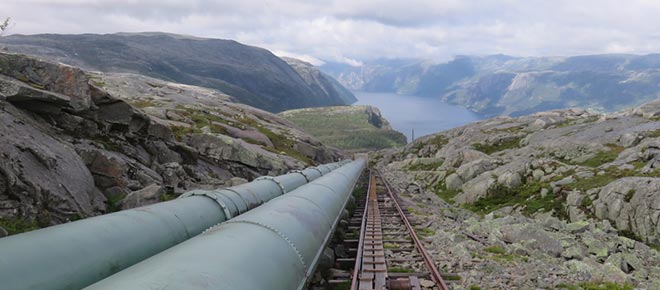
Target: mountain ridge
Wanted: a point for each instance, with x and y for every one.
(507, 85)
(253, 75)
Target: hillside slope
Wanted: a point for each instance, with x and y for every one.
(320, 81)
(358, 128)
(77, 144)
(505, 85)
(254, 76)
(561, 197)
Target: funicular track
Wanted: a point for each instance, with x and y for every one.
(388, 253)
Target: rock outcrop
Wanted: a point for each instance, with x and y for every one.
(574, 164)
(76, 144)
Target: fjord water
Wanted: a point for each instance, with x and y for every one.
(425, 115)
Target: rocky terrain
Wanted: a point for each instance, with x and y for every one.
(561, 199)
(254, 76)
(505, 85)
(353, 128)
(77, 144)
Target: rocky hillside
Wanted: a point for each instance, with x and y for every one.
(254, 76)
(320, 81)
(505, 85)
(77, 144)
(556, 197)
(354, 128)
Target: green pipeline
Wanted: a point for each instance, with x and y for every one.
(80, 253)
(275, 247)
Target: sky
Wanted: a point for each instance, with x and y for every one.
(354, 31)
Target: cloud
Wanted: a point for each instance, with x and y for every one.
(353, 31)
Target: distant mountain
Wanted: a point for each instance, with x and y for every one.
(252, 75)
(506, 85)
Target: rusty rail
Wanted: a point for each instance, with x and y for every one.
(434, 273)
(358, 258)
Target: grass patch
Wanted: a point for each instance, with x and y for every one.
(144, 104)
(451, 277)
(168, 195)
(346, 285)
(346, 128)
(495, 250)
(500, 146)
(475, 287)
(602, 157)
(400, 270)
(447, 195)
(596, 286)
(629, 195)
(424, 232)
(527, 196)
(16, 226)
(181, 131)
(389, 246)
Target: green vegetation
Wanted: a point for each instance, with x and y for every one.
(495, 250)
(351, 128)
(442, 192)
(452, 277)
(421, 166)
(596, 286)
(17, 226)
(399, 270)
(346, 285)
(603, 157)
(501, 146)
(114, 204)
(629, 195)
(526, 196)
(475, 287)
(389, 246)
(144, 104)
(631, 235)
(282, 144)
(424, 232)
(168, 195)
(438, 140)
(181, 131)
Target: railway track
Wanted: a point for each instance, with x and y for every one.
(388, 253)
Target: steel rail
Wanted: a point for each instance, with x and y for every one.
(358, 257)
(434, 273)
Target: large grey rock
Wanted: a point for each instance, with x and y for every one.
(633, 203)
(146, 196)
(476, 188)
(453, 182)
(510, 179)
(542, 240)
(474, 168)
(42, 171)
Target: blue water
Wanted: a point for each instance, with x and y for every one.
(425, 115)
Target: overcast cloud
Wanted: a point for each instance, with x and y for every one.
(351, 30)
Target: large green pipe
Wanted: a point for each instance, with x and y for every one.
(274, 247)
(77, 254)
